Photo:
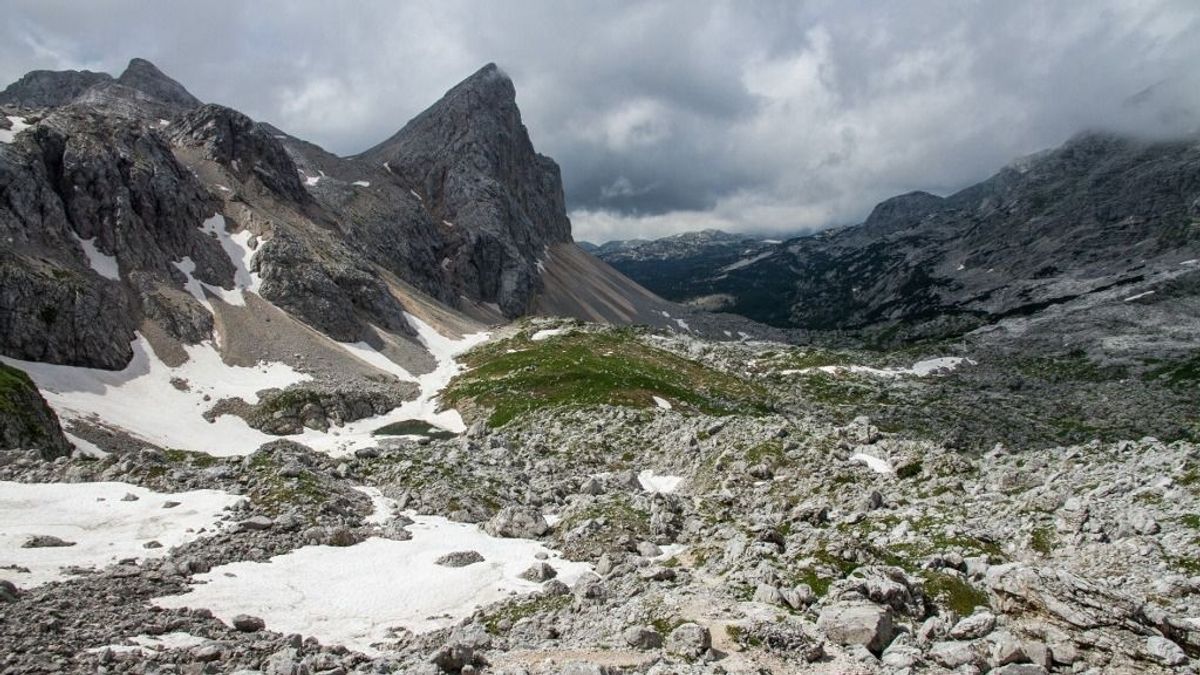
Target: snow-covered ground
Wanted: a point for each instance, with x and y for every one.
(18, 125)
(924, 368)
(358, 596)
(876, 464)
(142, 400)
(547, 333)
(652, 482)
(105, 529)
(368, 354)
(360, 434)
(104, 265)
(152, 644)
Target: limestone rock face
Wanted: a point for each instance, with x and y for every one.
(470, 160)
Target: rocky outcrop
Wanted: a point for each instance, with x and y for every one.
(50, 88)
(26, 421)
(243, 147)
(470, 160)
(145, 77)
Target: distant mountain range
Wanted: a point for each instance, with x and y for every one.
(1098, 212)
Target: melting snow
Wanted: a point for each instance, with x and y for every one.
(414, 193)
(662, 403)
(104, 265)
(547, 333)
(1138, 296)
(918, 369)
(237, 247)
(359, 434)
(877, 465)
(141, 399)
(1193, 261)
(746, 262)
(18, 125)
(368, 354)
(652, 482)
(362, 183)
(104, 528)
(310, 180)
(356, 596)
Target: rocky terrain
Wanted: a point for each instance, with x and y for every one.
(264, 409)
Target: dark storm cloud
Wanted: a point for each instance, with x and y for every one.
(667, 116)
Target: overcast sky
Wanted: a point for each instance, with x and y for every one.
(671, 116)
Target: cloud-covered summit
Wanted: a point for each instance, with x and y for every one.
(671, 116)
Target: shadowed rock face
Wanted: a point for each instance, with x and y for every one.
(470, 159)
(26, 422)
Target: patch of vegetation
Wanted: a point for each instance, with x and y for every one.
(909, 470)
(287, 400)
(1074, 366)
(767, 452)
(1191, 520)
(611, 367)
(842, 389)
(414, 428)
(664, 625)
(826, 569)
(16, 391)
(953, 592)
(1042, 539)
(200, 460)
(511, 612)
(1182, 373)
(278, 494)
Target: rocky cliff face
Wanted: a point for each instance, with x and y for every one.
(469, 159)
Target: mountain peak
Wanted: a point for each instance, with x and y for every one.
(144, 76)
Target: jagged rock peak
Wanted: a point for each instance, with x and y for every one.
(144, 76)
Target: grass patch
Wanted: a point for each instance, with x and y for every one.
(16, 392)
(414, 428)
(200, 460)
(1042, 540)
(953, 592)
(612, 367)
(1182, 373)
(510, 613)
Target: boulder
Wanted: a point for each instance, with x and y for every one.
(689, 640)
(858, 623)
(518, 522)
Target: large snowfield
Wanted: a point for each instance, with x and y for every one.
(363, 595)
(104, 528)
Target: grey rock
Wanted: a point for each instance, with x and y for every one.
(452, 658)
(257, 523)
(858, 623)
(956, 653)
(8, 591)
(642, 637)
(517, 522)
(539, 572)
(459, 559)
(975, 626)
(45, 541)
(689, 640)
(245, 623)
(1164, 651)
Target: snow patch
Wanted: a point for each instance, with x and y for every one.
(1138, 296)
(104, 265)
(546, 334)
(360, 434)
(661, 402)
(362, 183)
(383, 508)
(368, 354)
(746, 262)
(357, 596)
(876, 464)
(414, 193)
(18, 125)
(86, 448)
(683, 324)
(141, 399)
(652, 482)
(104, 528)
(923, 368)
